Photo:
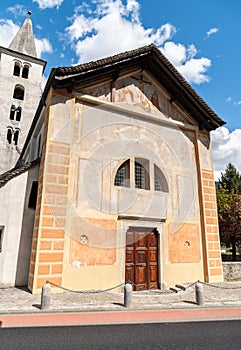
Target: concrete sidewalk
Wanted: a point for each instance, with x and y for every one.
(220, 295)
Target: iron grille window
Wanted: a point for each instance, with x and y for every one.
(158, 186)
(122, 177)
(142, 174)
(160, 183)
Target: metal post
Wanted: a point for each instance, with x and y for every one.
(128, 295)
(199, 294)
(45, 296)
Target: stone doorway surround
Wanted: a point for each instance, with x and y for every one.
(125, 223)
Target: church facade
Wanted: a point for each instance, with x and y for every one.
(114, 181)
(126, 185)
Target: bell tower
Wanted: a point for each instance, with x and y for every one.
(20, 90)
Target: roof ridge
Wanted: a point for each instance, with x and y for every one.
(105, 60)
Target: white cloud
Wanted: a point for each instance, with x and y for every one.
(182, 58)
(43, 46)
(235, 103)
(17, 10)
(211, 32)
(113, 27)
(8, 30)
(44, 4)
(226, 147)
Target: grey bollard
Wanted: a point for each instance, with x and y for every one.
(199, 294)
(128, 295)
(45, 296)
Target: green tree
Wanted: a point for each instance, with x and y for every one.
(230, 179)
(229, 208)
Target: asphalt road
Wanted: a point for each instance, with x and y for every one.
(213, 335)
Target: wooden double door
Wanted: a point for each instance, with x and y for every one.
(141, 266)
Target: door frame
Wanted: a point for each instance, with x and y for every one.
(134, 247)
(158, 225)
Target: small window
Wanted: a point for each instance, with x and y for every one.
(122, 177)
(142, 179)
(159, 180)
(15, 137)
(16, 69)
(33, 195)
(18, 114)
(9, 135)
(25, 71)
(1, 239)
(18, 92)
(12, 112)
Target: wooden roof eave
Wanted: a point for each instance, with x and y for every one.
(108, 72)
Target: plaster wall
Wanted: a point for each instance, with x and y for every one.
(80, 240)
(100, 141)
(12, 197)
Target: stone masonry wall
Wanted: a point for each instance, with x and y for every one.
(232, 271)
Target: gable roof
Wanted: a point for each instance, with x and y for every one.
(148, 58)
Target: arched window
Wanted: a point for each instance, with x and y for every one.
(18, 92)
(25, 71)
(142, 178)
(18, 114)
(12, 135)
(160, 183)
(16, 69)
(16, 136)
(138, 172)
(9, 135)
(122, 177)
(12, 112)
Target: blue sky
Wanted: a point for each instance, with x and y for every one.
(201, 38)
